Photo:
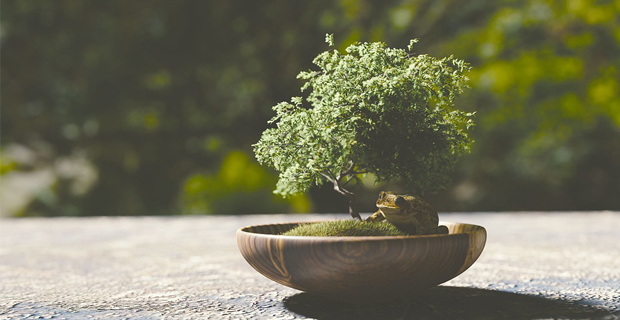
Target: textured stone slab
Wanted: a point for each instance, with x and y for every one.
(535, 265)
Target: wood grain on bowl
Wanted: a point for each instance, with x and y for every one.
(358, 269)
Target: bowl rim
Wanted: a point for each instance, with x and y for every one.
(243, 230)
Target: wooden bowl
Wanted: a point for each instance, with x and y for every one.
(360, 269)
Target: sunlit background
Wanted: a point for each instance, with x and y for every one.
(151, 107)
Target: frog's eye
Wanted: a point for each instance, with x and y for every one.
(400, 201)
(381, 195)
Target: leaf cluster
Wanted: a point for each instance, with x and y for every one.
(372, 109)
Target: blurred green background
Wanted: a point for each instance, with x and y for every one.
(150, 107)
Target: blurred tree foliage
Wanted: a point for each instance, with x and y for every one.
(162, 99)
(547, 90)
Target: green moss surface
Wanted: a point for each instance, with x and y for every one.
(339, 228)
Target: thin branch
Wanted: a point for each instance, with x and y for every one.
(362, 170)
(359, 172)
(339, 188)
(352, 166)
(328, 177)
(349, 179)
(348, 171)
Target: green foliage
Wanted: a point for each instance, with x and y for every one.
(374, 110)
(240, 186)
(344, 228)
(546, 83)
(151, 96)
(6, 165)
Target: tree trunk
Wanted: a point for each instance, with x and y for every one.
(351, 197)
(353, 208)
(338, 188)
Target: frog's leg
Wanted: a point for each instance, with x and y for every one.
(440, 230)
(376, 217)
(408, 228)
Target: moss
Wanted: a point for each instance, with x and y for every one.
(338, 228)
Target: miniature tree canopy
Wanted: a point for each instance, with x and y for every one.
(373, 109)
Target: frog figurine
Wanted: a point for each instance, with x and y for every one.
(407, 213)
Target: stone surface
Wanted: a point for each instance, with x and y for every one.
(535, 265)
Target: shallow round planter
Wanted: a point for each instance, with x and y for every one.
(360, 269)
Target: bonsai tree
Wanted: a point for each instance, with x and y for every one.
(373, 109)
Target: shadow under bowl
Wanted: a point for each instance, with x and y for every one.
(360, 269)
